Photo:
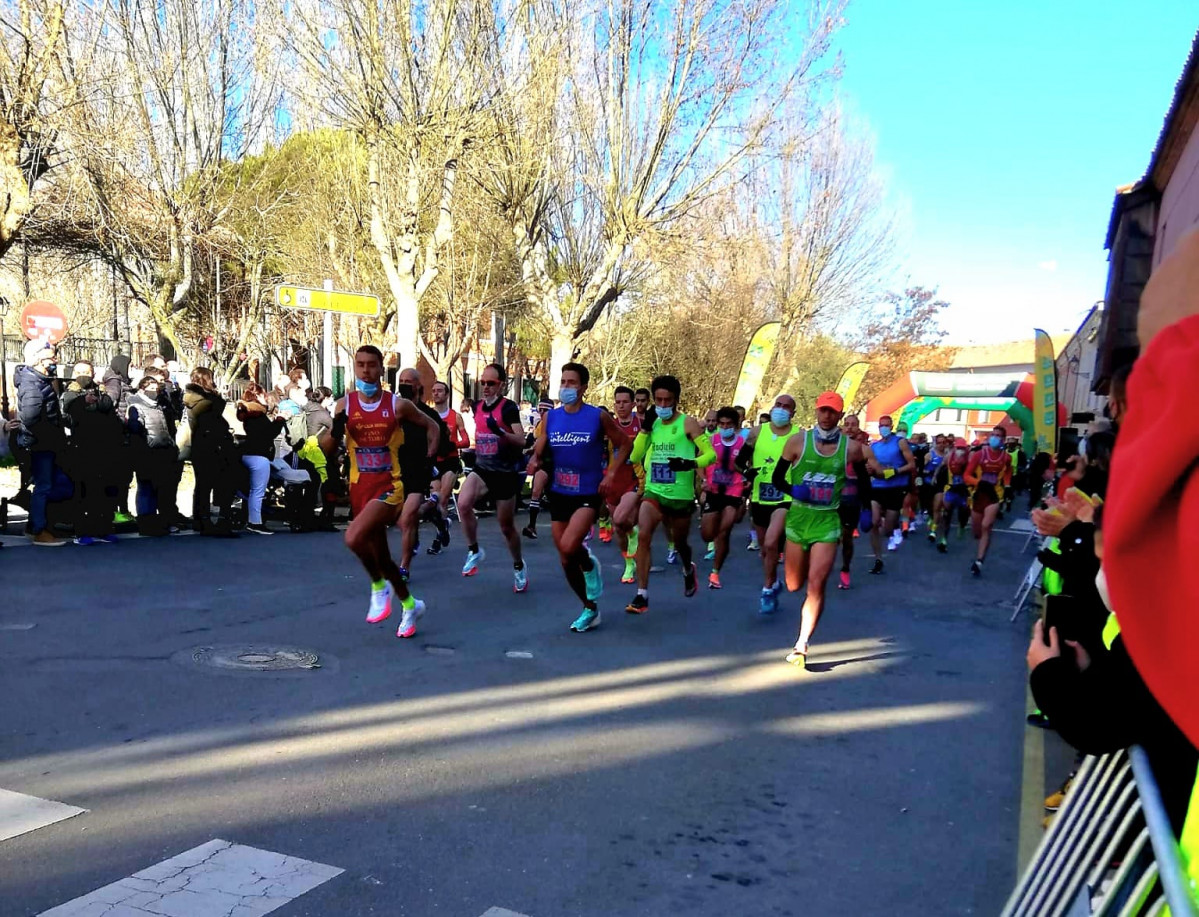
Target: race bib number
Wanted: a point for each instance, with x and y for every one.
(660, 473)
(990, 477)
(820, 489)
(372, 459)
(721, 476)
(768, 493)
(958, 479)
(566, 480)
(487, 444)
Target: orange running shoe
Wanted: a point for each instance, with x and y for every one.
(714, 580)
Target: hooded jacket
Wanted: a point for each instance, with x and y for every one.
(117, 385)
(206, 417)
(96, 427)
(37, 408)
(149, 421)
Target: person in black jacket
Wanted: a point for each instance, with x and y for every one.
(415, 464)
(170, 400)
(257, 450)
(214, 454)
(96, 447)
(119, 389)
(152, 441)
(41, 432)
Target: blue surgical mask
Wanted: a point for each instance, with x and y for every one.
(367, 388)
(780, 417)
(663, 413)
(728, 436)
(995, 442)
(568, 395)
(884, 432)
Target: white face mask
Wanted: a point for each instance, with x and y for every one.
(1101, 588)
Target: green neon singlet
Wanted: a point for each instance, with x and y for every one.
(667, 441)
(768, 448)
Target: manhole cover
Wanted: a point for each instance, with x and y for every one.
(240, 658)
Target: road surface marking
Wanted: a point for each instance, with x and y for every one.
(217, 879)
(20, 814)
(1032, 792)
(501, 912)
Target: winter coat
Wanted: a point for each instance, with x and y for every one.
(38, 410)
(206, 416)
(96, 429)
(116, 383)
(260, 431)
(315, 417)
(148, 422)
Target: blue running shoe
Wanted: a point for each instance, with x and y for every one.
(588, 620)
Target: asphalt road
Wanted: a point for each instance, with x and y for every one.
(663, 764)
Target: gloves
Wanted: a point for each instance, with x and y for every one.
(681, 464)
(494, 426)
(647, 420)
(801, 492)
(888, 474)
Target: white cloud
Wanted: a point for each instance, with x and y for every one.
(1048, 265)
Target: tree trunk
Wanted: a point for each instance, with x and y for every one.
(562, 351)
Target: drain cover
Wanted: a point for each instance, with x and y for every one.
(255, 658)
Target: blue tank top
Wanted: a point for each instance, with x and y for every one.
(576, 443)
(886, 453)
(932, 462)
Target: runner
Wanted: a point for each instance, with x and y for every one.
(417, 470)
(767, 504)
(724, 485)
(812, 469)
(572, 437)
(888, 488)
(989, 473)
(624, 493)
(854, 495)
(672, 446)
(448, 466)
(955, 492)
(542, 478)
(641, 399)
(930, 493)
(370, 420)
(499, 445)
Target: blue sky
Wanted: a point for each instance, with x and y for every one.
(1003, 130)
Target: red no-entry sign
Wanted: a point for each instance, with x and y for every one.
(43, 320)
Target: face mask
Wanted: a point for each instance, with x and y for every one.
(366, 388)
(568, 395)
(884, 432)
(664, 413)
(404, 390)
(902, 433)
(728, 436)
(827, 436)
(51, 369)
(84, 381)
(1101, 588)
(995, 442)
(151, 393)
(780, 417)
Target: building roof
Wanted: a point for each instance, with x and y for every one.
(1007, 353)
(1180, 121)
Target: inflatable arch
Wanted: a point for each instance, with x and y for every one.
(918, 394)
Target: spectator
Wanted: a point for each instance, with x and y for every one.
(117, 385)
(170, 399)
(96, 448)
(41, 432)
(257, 450)
(155, 455)
(213, 454)
(1097, 464)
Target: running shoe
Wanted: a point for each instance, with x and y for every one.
(630, 571)
(380, 604)
(843, 582)
(639, 605)
(85, 541)
(110, 539)
(714, 580)
(690, 586)
(435, 547)
(409, 618)
(473, 559)
(976, 568)
(529, 532)
(752, 545)
(605, 533)
(893, 545)
(942, 546)
(711, 550)
(520, 579)
(878, 566)
(588, 620)
(798, 658)
(932, 536)
(593, 579)
(257, 528)
(121, 518)
(768, 604)
(672, 556)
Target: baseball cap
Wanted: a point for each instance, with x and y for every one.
(831, 400)
(37, 350)
(960, 443)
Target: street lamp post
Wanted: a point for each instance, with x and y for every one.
(3, 359)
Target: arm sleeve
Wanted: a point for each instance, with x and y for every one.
(780, 478)
(705, 452)
(640, 447)
(745, 455)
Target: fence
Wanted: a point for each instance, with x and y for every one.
(97, 351)
(1109, 851)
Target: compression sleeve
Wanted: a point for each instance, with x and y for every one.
(339, 427)
(782, 469)
(705, 452)
(745, 455)
(640, 447)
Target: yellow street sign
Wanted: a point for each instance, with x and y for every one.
(308, 298)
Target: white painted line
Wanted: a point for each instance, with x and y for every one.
(20, 814)
(217, 879)
(501, 912)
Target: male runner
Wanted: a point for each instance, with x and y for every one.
(541, 479)
(768, 504)
(371, 422)
(724, 485)
(641, 399)
(888, 487)
(711, 421)
(989, 473)
(448, 465)
(418, 471)
(930, 493)
(854, 495)
(624, 492)
(672, 446)
(499, 446)
(812, 469)
(573, 436)
(955, 492)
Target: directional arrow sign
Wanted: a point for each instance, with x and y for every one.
(310, 299)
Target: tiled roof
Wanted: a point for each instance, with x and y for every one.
(1180, 120)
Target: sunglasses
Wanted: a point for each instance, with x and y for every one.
(487, 384)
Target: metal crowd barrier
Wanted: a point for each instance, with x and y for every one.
(1109, 851)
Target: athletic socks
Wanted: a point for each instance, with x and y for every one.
(534, 512)
(408, 602)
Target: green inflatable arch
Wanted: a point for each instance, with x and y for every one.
(919, 408)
